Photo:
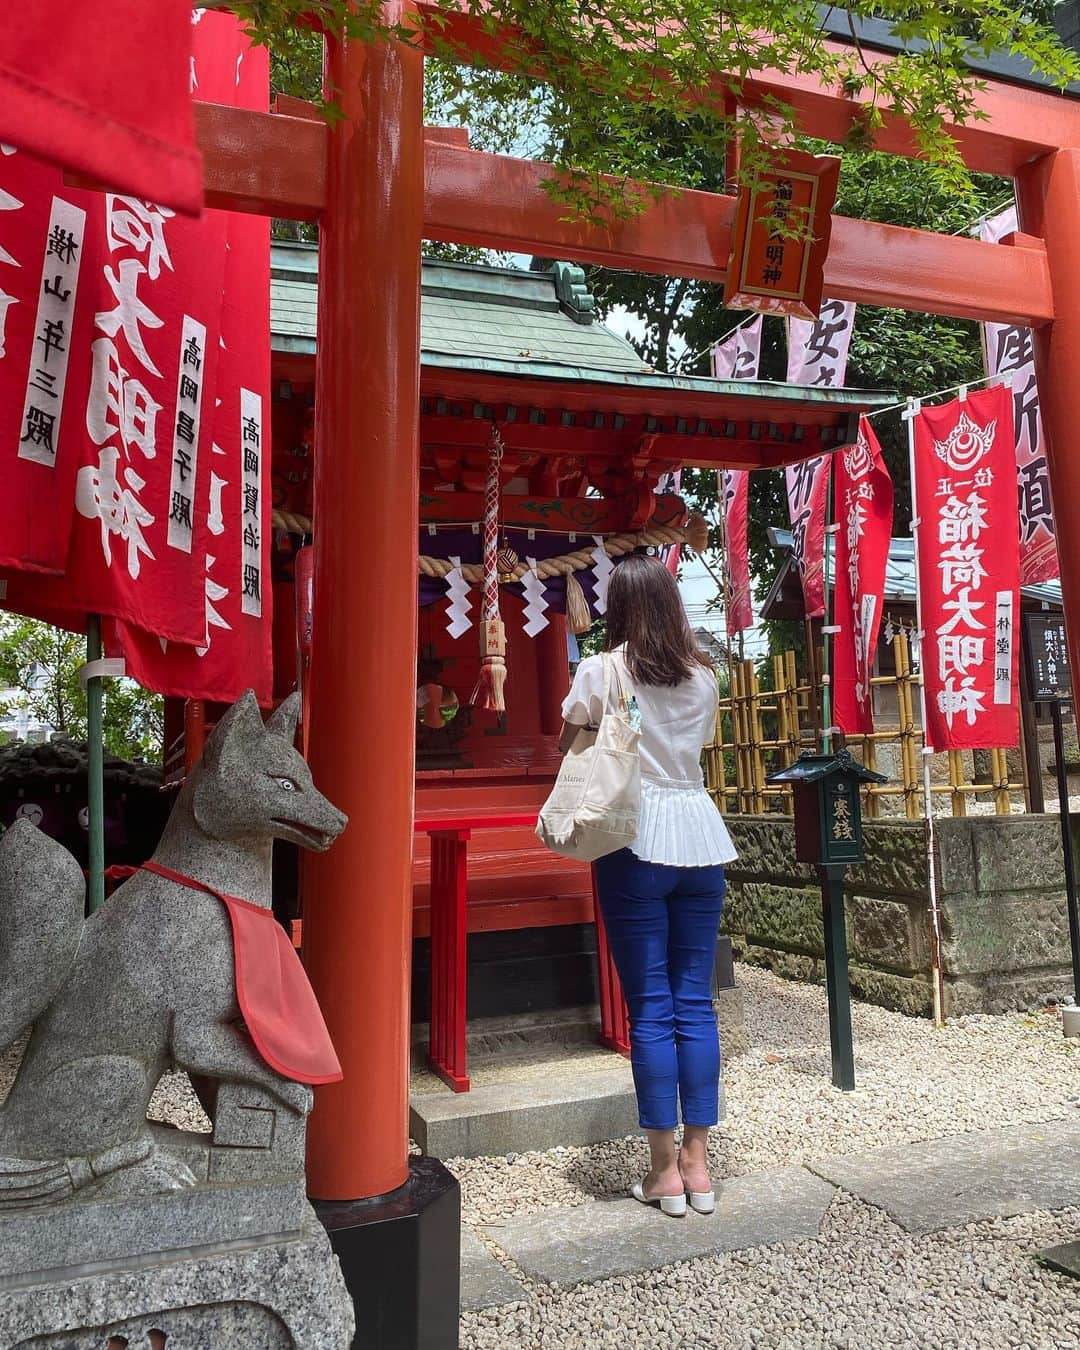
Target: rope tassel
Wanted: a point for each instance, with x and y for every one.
(489, 691)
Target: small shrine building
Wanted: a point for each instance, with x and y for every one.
(589, 434)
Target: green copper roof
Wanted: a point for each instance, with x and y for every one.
(513, 324)
(490, 314)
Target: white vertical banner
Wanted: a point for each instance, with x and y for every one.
(44, 400)
(189, 389)
(817, 356)
(251, 443)
(818, 348)
(602, 570)
(738, 355)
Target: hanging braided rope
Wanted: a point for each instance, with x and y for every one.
(489, 685)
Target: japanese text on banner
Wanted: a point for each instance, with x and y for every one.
(817, 355)
(969, 570)
(1010, 350)
(864, 511)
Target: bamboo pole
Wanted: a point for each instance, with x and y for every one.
(95, 769)
(956, 779)
(912, 410)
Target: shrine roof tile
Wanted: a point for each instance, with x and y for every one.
(492, 313)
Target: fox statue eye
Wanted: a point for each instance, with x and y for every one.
(286, 784)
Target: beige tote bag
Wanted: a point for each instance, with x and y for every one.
(594, 806)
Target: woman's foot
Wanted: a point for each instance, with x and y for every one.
(668, 1182)
(664, 1189)
(694, 1169)
(695, 1177)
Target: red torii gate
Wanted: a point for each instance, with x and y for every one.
(379, 183)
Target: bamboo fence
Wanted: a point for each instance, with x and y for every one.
(760, 730)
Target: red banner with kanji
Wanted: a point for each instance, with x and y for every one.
(1010, 350)
(969, 570)
(235, 651)
(864, 514)
(734, 502)
(117, 373)
(102, 87)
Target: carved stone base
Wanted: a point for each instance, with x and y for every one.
(274, 1295)
(241, 1203)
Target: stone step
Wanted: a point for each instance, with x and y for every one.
(558, 1104)
(494, 1038)
(491, 1038)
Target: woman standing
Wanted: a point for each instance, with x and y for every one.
(661, 898)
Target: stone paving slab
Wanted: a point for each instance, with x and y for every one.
(1064, 1259)
(484, 1283)
(621, 1237)
(967, 1177)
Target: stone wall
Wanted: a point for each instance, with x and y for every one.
(1001, 893)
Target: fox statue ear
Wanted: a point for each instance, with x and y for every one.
(282, 721)
(241, 723)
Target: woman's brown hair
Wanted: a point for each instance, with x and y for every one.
(645, 611)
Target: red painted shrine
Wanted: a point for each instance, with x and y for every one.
(588, 433)
(380, 183)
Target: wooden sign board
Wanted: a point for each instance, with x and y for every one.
(770, 270)
(1048, 657)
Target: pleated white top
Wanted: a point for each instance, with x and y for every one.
(679, 825)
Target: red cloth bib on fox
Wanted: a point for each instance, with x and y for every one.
(276, 999)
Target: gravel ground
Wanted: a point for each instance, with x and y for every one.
(863, 1284)
(914, 1083)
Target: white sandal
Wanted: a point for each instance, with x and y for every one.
(672, 1205)
(703, 1202)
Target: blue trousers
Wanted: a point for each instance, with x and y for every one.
(662, 924)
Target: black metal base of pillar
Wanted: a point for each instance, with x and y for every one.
(400, 1255)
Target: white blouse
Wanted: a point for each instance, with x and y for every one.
(679, 826)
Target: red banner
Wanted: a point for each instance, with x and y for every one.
(1011, 350)
(101, 86)
(735, 494)
(969, 570)
(119, 373)
(234, 652)
(864, 513)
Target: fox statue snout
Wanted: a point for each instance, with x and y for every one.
(252, 781)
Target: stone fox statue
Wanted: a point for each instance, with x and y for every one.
(147, 983)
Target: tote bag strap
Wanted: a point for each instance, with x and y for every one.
(612, 676)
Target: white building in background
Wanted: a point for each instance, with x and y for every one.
(705, 611)
(18, 723)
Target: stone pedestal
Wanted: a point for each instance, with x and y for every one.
(284, 1294)
(728, 1002)
(400, 1255)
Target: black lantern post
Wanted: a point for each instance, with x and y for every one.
(828, 833)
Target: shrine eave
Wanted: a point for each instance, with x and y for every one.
(576, 411)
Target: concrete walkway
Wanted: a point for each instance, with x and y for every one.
(925, 1188)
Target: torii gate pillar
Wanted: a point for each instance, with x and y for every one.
(358, 897)
(1048, 192)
